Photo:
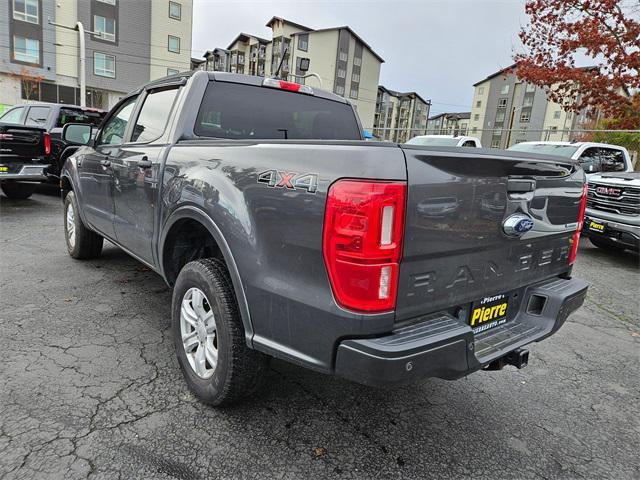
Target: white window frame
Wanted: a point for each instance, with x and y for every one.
(179, 5)
(357, 61)
(495, 143)
(353, 92)
(355, 77)
(343, 56)
(530, 88)
(169, 37)
(339, 89)
(480, 90)
(342, 73)
(27, 56)
(25, 16)
(505, 89)
(104, 72)
(110, 2)
(104, 35)
(525, 117)
(172, 71)
(502, 102)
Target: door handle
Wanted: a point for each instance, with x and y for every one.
(105, 163)
(144, 162)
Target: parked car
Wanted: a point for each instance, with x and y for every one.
(594, 157)
(613, 211)
(284, 234)
(24, 155)
(52, 117)
(445, 141)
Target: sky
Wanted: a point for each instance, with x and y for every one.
(438, 48)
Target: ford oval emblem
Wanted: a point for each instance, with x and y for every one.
(517, 224)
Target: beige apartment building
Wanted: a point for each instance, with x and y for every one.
(451, 123)
(133, 43)
(399, 116)
(507, 110)
(345, 63)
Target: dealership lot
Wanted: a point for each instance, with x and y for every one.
(91, 387)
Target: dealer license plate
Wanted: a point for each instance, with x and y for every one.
(489, 312)
(596, 226)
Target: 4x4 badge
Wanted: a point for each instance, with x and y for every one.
(289, 180)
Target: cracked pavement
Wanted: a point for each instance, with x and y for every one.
(90, 387)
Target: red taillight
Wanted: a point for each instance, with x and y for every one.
(576, 236)
(362, 244)
(47, 144)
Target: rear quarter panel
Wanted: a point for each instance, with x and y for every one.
(275, 233)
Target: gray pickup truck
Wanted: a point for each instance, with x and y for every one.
(284, 234)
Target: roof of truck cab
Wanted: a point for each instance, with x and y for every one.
(257, 81)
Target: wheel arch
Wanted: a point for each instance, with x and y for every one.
(191, 213)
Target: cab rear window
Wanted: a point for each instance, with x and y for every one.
(238, 111)
(74, 115)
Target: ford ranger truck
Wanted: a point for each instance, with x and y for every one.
(284, 234)
(612, 220)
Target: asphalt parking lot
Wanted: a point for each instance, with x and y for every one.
(90, 387)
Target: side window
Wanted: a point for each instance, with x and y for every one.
(590, 160)
(37, 116)
(116, 126)
(154, 115)
(469, 143)
(13, 116)
(612, 160)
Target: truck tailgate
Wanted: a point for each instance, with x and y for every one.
(19, 144)
(455, 249)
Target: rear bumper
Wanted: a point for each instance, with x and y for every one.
(27, 173)
(442, 346)
(617, 233)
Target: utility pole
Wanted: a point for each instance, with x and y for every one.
(82, 73)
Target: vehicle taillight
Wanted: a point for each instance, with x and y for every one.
(47, 144)
(362, 243)
(576, 236)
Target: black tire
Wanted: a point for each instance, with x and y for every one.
(17, 190)
(87, 243)
(606, 245)
(239, 371)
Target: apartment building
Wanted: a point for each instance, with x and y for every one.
(131, 44)
(399, 116)
(451, 123)
(507, 110)
(344, 62)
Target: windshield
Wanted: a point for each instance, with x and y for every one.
(237, 111)
(546, 149)
(438, 141)
(75, 115)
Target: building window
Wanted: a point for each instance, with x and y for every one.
(480, 90)
(525, 117)
(502, 102)
(339, 89)
(355, 77)
(172, 71)
(530, 88)
(26, 10)
(474, 130)
(354, 92)
(342, 73)
(478, 103)
(26, 50)
(556, 114)
(175, 10)
(106, 27)
(110, 2)
(500, 116)
(343, 56)
(476, 117)
(104, 65)
(174, 44)
(505, 89)
(303, 42)
(495, 143)
(528, 102)
(357, 61)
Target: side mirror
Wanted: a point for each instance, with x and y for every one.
(77, 133)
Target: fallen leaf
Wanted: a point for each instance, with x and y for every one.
(319, 452)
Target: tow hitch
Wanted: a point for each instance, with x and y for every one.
(519, 358)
